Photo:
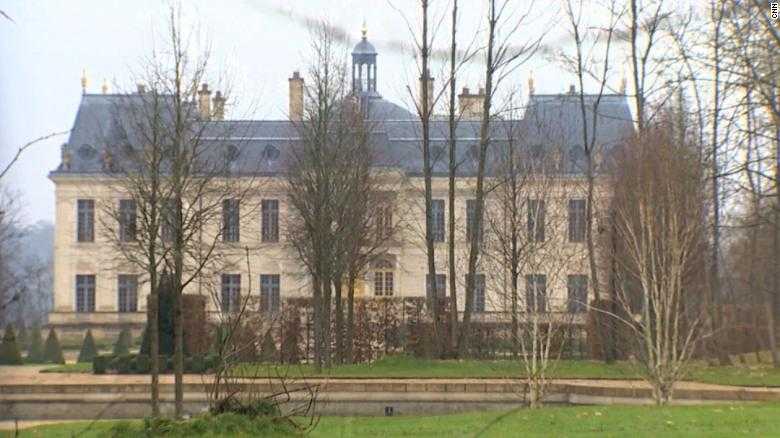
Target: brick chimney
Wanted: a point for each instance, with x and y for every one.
(471, 104)
(296, 97)
(219, 106)
(204, 102)
(431, 99)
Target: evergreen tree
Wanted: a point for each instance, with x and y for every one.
(22, 339)
(88, 348)
(52, 352)
(35, 350)
(164, 321)
(9, 349)
(123, 342)
(268, 351)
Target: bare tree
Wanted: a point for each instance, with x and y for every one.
(754, 39)
(333, 192)
(592, 59)
(502, 57)
(659, 203)
(176, 171)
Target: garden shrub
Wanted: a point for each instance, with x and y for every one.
(164, 320)
(9, 349)
(88, 348)
(22, 338)
(268, 351)
(52, 352)
(101, 363)
(35, 350)
(123, 342)
(142, 364)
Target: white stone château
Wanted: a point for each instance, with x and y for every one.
(91, 292)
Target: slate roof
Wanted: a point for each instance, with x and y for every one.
(258, 146)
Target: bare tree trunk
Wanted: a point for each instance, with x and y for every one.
(154, 342)
(484, 143)
(639, 96)
(317, 309)
(350, 317)
(178, 352)
(452, 169)
(775, 292)
(337, 285)
(425, 117)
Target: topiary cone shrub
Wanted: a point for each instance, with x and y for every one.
(9, 349)
(123, 342)
(88, 348)
(22, 338)
(35, 351)
(52, 352)
(268, 351)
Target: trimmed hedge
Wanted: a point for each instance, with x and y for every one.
(35, 350)
(52, 352)
(88, 348)
(142, 364)
(123, 342)
(9, 349)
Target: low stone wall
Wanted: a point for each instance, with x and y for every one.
(348, 397)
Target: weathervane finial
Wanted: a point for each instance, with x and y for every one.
(364, 30)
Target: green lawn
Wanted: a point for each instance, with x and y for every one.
(407, 367)
(636, 421)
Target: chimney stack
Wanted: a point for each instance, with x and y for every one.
(204, 102)
(531, 88)
(219, 106)
(104, 87)
(84, 81)
(430, 92)
(572, 89)
(471, 104)
(141, 88)
(296, 97)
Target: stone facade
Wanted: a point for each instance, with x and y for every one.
(82, 178)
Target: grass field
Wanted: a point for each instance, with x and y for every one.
(406, 367)
(636, 421)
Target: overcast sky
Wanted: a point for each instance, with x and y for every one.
(260, 42)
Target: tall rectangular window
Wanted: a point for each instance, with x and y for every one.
(270, 211)
(383, 283)
(536, 293)
(270, 301)
(576, 220)
(86, 220)
(127, 220)
(85, 293)
(231, 292)
(384, 221)
(437, 220)
(230, 220)
(536, 213)
(168, 219)
(578, 293)
(127, 293)
(479, 292)
(471, 220)
(441, 286)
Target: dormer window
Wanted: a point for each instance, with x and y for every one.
(231, 153)
(270, 153)
(87, 152)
